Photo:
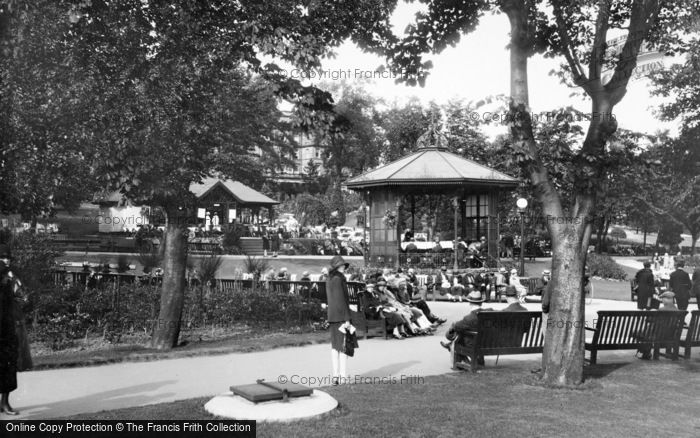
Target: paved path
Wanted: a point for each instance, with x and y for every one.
(629, 262)
(63, 392)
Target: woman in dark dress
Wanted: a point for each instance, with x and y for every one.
(9, 341)
(338, 315)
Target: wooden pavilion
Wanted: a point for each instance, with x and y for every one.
(431, 170)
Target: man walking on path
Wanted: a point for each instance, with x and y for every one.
(680, 285)
(645, 286)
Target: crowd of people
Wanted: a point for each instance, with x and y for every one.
(398, 297)
(650, 288)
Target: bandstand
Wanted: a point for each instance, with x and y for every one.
(431, 171)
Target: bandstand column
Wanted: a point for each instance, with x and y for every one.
(455, 205)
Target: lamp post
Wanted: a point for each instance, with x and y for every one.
(522, 205)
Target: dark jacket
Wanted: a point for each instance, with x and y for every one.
(680, 283)
(547, 297)
(370, 304)
(337, 293)
(696, 281)
(645, 284)
(468, 323)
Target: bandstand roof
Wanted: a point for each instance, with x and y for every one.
(239, 191)
(434, 166)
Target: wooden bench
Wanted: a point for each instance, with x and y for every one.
(500, 333)
(368, 326)
(692, 335)
(636, 329)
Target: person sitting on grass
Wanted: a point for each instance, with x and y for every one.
(463, 328)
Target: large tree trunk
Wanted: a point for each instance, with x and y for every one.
(166, 330)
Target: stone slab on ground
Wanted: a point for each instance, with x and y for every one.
(297, 408)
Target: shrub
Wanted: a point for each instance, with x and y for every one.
(604, 266)
(149, 259)
(232, 239)
(208, 267)
(255, 265)
(123, 263)
(69, 313)
(33, 258)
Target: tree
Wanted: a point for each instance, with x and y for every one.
(403, 126)
(46, 155)
(577, 32)
(670, 187)
(173, 98)
(682, 83)
(351, 142)
(311, 176)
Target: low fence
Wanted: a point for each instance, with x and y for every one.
(307, 289)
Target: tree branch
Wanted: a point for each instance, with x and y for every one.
(643, 15)
(661, 212)
(580, 77)
(595, 63)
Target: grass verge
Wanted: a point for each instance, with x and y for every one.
(622, 399)
(245, 343)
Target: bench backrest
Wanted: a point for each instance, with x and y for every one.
(693, 335)
(510, 331)
(631, 327)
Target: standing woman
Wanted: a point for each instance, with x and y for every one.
(338, 315)
(9, 339)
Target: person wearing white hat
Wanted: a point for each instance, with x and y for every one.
(514, 281)
(543, 281)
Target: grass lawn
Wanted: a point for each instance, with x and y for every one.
(256, 340)
(622, 399)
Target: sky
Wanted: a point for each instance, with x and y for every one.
(478, 67)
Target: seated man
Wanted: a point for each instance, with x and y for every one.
(411, 247)
(283, 274)
(543, 281)
(417, 301)
(667, 299)
(443, 283)
(467, 324)
(513, 301)
(501, 281)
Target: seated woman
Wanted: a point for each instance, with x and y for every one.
(514, 281)
(373, 309)
(400, 293)
(413, 323)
